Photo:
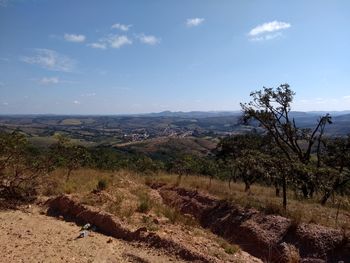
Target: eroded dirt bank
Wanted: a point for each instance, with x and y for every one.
(272, 238)
(111, 225)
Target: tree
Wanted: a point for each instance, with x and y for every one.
(271, 108)
(336, 175)
(209, 167)
(69, 155)
(184, 165)
(21, 167)
(251, 166)
(241, 155)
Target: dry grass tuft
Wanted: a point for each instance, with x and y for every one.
(263, 198)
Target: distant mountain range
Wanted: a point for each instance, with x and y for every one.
(206, 114)
(153, 125)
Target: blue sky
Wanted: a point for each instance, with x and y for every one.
(133, 56)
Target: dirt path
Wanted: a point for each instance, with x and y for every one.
(28, 236)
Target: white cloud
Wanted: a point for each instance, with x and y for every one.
(116, 41)
(89, 94)
(191, 22)
(149, 39)
(5, 103)
(51, 60)
(121, 27)
(51, 80)
(266, 37)
(76, 102)
(268, 27)
(97, 45)
(74, 38)
(346, 97)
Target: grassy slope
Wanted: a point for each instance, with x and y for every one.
(260, 197)
(166, 146)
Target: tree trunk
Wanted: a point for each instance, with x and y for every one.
(247, 187)
(305, 191)
(68, 174)
(284, 189)
(325, 197)
(277, 191)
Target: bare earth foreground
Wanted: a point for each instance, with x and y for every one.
(30, 236)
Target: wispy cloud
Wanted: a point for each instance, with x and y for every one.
(268, 31)
(121, 27)
(49, 80)
(122, 88)
(116, 41)
(51, 60)
(76, 102)
(266, 37)
(112, 41)
(3, 3)
(149, 39)
(97, 45)
(5, 103)
(74, 38)
(191, 22)
(92, 94)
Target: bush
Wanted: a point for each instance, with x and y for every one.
(102, 184)
(144, 207)
(231, 249)
(273, 209)
(145, 203)
(22, 168)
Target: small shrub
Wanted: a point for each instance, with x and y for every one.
(127, 212)
(144, 207)
(145, 204)
(231, 249)
(102, 184)
(172, 214)
(149, 224)
(228, 248)
(273, 209)
(115, 207)
(296, 218)
(69, 188)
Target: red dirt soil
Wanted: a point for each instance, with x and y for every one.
(269, 237)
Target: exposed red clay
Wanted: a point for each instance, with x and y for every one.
(108, 224)
(268, 237)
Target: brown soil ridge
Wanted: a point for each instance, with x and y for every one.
(269, 237)
(106, 223)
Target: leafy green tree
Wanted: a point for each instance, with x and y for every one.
(21, 167)
(210, 167)
(271, 108)
(241, 155)
(144, 164)
(335, 176)
(69, 155)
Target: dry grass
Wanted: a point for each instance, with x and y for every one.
(264, 199)
(129, 188)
